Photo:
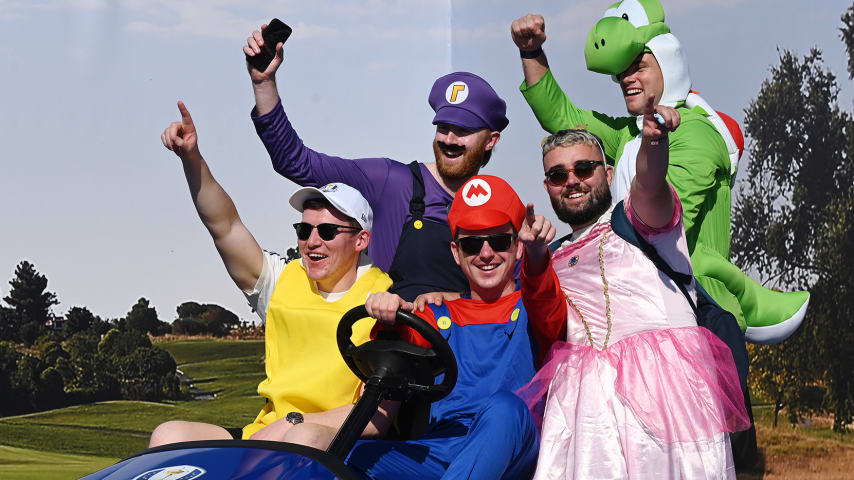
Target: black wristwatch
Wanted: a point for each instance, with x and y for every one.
(295, 418)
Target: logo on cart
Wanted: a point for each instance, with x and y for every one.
(476, 192)
(177, 472)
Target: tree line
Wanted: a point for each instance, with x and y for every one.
(49, 361)
(793, 223)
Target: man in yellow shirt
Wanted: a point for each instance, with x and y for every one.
(309, 388)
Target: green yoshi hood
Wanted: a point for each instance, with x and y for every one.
(627, 29)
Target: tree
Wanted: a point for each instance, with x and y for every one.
(148, 374)
(79, 319)
(219, 321)
(793, 223)
(13, 400)
(117, 344)
(190, 310)
(8, 324)
(195, 318)
(31, 303)
(143, 318)
(778, 372)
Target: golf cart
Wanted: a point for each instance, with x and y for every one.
(391, 369)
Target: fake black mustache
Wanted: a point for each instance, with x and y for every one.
(451, 148)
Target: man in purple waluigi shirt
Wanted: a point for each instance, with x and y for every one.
(411, 237)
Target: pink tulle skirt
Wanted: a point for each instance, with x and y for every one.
(652, 403)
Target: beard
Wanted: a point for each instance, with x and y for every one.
(465, 166)
(597, 203)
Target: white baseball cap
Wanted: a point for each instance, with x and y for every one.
(345, 198)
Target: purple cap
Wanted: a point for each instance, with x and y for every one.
(466, 100)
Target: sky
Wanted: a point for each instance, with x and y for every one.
(89, 195)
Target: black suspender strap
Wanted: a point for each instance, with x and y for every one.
(621, 226)
(416, 203)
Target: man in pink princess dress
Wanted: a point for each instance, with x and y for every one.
(632, 388)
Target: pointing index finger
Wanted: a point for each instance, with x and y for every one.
(186, 119)
(649, 109)
(530, 217)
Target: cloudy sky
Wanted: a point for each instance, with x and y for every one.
(89, 195)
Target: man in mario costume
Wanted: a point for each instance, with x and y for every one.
(481, 430)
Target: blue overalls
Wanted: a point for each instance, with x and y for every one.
(481, 430)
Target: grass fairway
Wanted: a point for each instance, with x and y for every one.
(25, 464)
(84, 438)
(74, 441)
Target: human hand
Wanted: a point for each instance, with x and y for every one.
(436, 298)
(659, 120)
(529, 32)
(252, 48)
(537, 231)
(383, 306)
(180, 137)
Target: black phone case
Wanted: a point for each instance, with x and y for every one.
(275, 33)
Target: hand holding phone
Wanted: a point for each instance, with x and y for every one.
(276, 32)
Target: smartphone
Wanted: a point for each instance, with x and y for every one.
(275, 33)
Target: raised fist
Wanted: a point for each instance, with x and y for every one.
(529, 32)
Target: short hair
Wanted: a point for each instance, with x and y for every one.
(570, 137)
(318, 203)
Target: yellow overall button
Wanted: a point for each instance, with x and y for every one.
(515, 315)
(418, 224)
(443, 322)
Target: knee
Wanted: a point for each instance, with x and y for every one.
(505, 404)
(506, 412)
(169, 432)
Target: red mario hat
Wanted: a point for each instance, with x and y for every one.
(485, 202)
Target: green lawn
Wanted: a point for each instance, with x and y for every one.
(25, 464)
(81, 439)
(74, 441)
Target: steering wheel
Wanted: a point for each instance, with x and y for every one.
(396, 364)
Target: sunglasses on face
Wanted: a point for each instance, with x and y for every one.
(326, 231)
(582, 170)
(500, 242)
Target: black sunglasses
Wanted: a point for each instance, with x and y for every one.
(499, 242)
(326, 231)
(583, 170)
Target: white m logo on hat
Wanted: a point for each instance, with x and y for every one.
(476, 192)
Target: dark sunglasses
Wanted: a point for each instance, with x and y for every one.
(500, 242)
(582, 170)
(326, 231)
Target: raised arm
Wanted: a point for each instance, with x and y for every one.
(240, 252)
(651, 196)
(541, 293)
(263, 83)
(529, 34)
(552, 107)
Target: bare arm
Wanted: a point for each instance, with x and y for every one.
(240, 252)
(529, 34)
(651, 197)
(263, 83)
(319, 429)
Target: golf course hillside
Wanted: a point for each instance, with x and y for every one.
(73, 441)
